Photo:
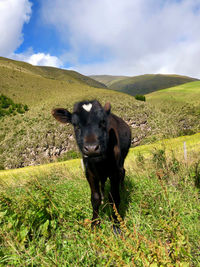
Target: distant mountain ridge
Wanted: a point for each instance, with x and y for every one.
(51, 72)
(108, 79)
(142, 84)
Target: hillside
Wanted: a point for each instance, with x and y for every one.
(108, 79)
(188, 93)
(176, 99)
(35, 137)
(144, 84)
(50, 72)
(45, 212)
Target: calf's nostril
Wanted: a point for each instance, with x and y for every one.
(86, 148)
(91, 149)
(96, 148)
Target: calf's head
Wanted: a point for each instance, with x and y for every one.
(90, 121)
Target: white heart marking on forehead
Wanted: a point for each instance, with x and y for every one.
(87, 107)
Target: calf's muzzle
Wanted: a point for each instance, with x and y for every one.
(91, 150)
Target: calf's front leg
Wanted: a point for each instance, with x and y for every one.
(95, 197)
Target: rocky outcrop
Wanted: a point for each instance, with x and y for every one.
(140, 129)
(55, 143)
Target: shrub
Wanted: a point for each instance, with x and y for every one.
(26, 108)
(8, 107)
(5, 102)
(140, 97)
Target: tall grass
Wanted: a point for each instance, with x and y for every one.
(46, 221)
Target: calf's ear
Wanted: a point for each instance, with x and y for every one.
(107, 108)
(62, 115)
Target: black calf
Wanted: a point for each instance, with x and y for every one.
(104, 140)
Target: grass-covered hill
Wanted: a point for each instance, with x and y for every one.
(45, 212)
(108, 79)
(143, 84)
(50, 72)
(185, 93)
(34, 137)
(177, 98)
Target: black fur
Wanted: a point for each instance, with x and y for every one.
(104, 140)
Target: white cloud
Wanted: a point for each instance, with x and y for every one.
(130, 37)
(44, 60)
(13, 15)
(40, 59)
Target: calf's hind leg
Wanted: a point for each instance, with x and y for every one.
(115, 200)
(114, 195)
(122, 175)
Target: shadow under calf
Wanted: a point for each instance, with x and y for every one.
(126, 190)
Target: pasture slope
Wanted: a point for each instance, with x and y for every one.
(36, 138)
(186, 93)
(108, 79)
(45, 212)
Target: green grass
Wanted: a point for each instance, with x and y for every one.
(175, 145)
(180, 99)
(187, 93)
(45, 213)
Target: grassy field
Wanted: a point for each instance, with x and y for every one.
(175, 100)
(45, 212)
(188, 93)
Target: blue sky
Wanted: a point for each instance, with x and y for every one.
(118, 37)
(40, 37)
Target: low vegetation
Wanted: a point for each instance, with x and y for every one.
(45, 213)
(140, 97)
(183, 94)
(8, 107)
